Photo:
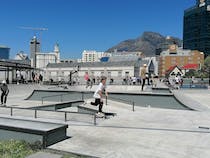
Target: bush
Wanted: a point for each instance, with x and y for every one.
(15, 149)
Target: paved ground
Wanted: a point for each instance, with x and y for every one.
(44, 155)
(147, 132)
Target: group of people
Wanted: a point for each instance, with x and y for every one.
(100, 91)
(36, 77)
(90, 81)
(175, 82)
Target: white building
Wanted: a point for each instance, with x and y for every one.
(115, 70)
(42, 59)
(91, 56)
(21, 56)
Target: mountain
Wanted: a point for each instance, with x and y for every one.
(147, 43)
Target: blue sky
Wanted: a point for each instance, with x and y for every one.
(79, 25)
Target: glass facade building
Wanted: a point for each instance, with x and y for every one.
(196, 33)
(4, 52)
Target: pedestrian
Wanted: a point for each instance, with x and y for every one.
(87, 79)
(98, 95)
(143, 76)
(5, 92)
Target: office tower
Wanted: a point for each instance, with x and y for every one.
(196, 33)
(4, 52)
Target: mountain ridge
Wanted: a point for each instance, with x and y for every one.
(147, 43)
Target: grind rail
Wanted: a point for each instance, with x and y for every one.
(37, 111)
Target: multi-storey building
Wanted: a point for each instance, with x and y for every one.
(196, 33)
(178, 56)
(91, 56)
(4, 52)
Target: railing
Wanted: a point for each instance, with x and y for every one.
(36, 113)
(60, 96)
(123, 101)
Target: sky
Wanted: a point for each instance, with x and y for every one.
(78, 25)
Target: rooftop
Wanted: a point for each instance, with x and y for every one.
(2, 46)
(94, 64)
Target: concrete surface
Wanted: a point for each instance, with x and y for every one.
(44, 155)
(146, 133)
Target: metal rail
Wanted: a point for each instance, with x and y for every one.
(123, 101)
(60, 96)
(37, 110)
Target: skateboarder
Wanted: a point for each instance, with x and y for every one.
(99, 94)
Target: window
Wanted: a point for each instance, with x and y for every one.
(109, 74)
(127, 74)
(119, 73)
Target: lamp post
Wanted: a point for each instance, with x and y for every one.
(72, 72)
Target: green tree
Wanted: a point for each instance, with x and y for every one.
(205, 70)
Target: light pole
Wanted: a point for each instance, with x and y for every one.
(72, 72)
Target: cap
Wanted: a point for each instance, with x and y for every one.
(3, 82)
(145, 64)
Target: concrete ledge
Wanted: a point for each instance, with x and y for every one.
(32, 131)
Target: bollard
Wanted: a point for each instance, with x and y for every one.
(11, 111)
(65, 116)
(133, 106)
(61, 98)
(42, 100)
(82, 96)
(35, 114)
(94, 119)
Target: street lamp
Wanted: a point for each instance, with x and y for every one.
(76, 69)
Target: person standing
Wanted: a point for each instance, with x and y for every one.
(87, 79)
(143, 76)
(98, 95)
(5, 92)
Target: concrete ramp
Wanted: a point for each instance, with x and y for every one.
(32, 131)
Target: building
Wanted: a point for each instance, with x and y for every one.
(4, 52)
(21, 56)
(91, 56)
(179, 57)
(34, 48)
(166, 44)
(196, 33)
(134, 56)
(174, 71)
(42, 59)
(115, 70)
